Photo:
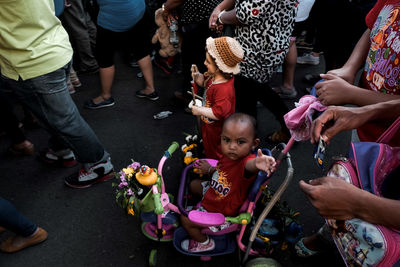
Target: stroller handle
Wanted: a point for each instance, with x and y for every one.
(274, 199)
(171, 149)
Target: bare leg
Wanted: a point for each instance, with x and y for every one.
(193, 230)
(147, 70)
(106, 79)
(290, 66)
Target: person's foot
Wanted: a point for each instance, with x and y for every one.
(24, 148)
(17, 243)
(99, 102)
(99, 172)
(190, 245)
(63, 157)
(308, 58)
(285, 93)
(151, 96)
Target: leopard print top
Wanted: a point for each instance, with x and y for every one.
(264, 35)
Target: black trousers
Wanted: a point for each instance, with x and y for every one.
(249, 91)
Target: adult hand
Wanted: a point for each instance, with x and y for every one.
(334, 120)
(265, 163)
(332, 197)
(333, 91)
(343, 73)
(213, 20)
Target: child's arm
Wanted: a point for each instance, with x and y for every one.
(204, 111)
(198, 78)
(261, 162)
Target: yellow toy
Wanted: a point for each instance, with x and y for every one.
(146, 175)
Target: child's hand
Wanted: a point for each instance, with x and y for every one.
(196, 110)
(196, 103)
(265, 163)
(194, 69)
(203, 166)
(197, 77)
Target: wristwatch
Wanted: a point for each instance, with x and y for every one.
(219, 21)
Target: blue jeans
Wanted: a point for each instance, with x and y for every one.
(13, 220)
(48, 98)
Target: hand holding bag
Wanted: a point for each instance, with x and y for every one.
(374, 167)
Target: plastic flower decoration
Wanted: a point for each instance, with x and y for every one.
(127, 188)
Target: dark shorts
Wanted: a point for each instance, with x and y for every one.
(136, 40)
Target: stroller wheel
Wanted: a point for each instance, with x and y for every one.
(153, 258)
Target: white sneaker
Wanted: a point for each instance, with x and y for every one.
(308, 58)
(99, 172)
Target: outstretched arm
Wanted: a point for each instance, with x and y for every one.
(339, 200)
(336, 118)
(261, 162)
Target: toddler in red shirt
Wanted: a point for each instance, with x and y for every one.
(223, 55)
(231, 178)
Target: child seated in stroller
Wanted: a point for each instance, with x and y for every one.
(231, 178)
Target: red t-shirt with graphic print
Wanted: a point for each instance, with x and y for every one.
(220, 97)
(228, 187)
(382, 66)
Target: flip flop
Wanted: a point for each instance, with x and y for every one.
(302, 251)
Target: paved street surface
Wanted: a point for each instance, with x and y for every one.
(86, 227)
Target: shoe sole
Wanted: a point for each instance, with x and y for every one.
(150, 98)
(103, 179)
(67, 164)
(102, 106)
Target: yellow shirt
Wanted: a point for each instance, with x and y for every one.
(32, 40)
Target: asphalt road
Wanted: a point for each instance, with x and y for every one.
(87, 228)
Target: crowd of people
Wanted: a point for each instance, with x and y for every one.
(245, 45)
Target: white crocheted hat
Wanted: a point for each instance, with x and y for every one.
(227, 53)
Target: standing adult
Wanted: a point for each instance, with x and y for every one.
(263, 29)
(35, 58)
(126, 24)
(82, 34)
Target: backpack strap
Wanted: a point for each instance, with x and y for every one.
(387, 136)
